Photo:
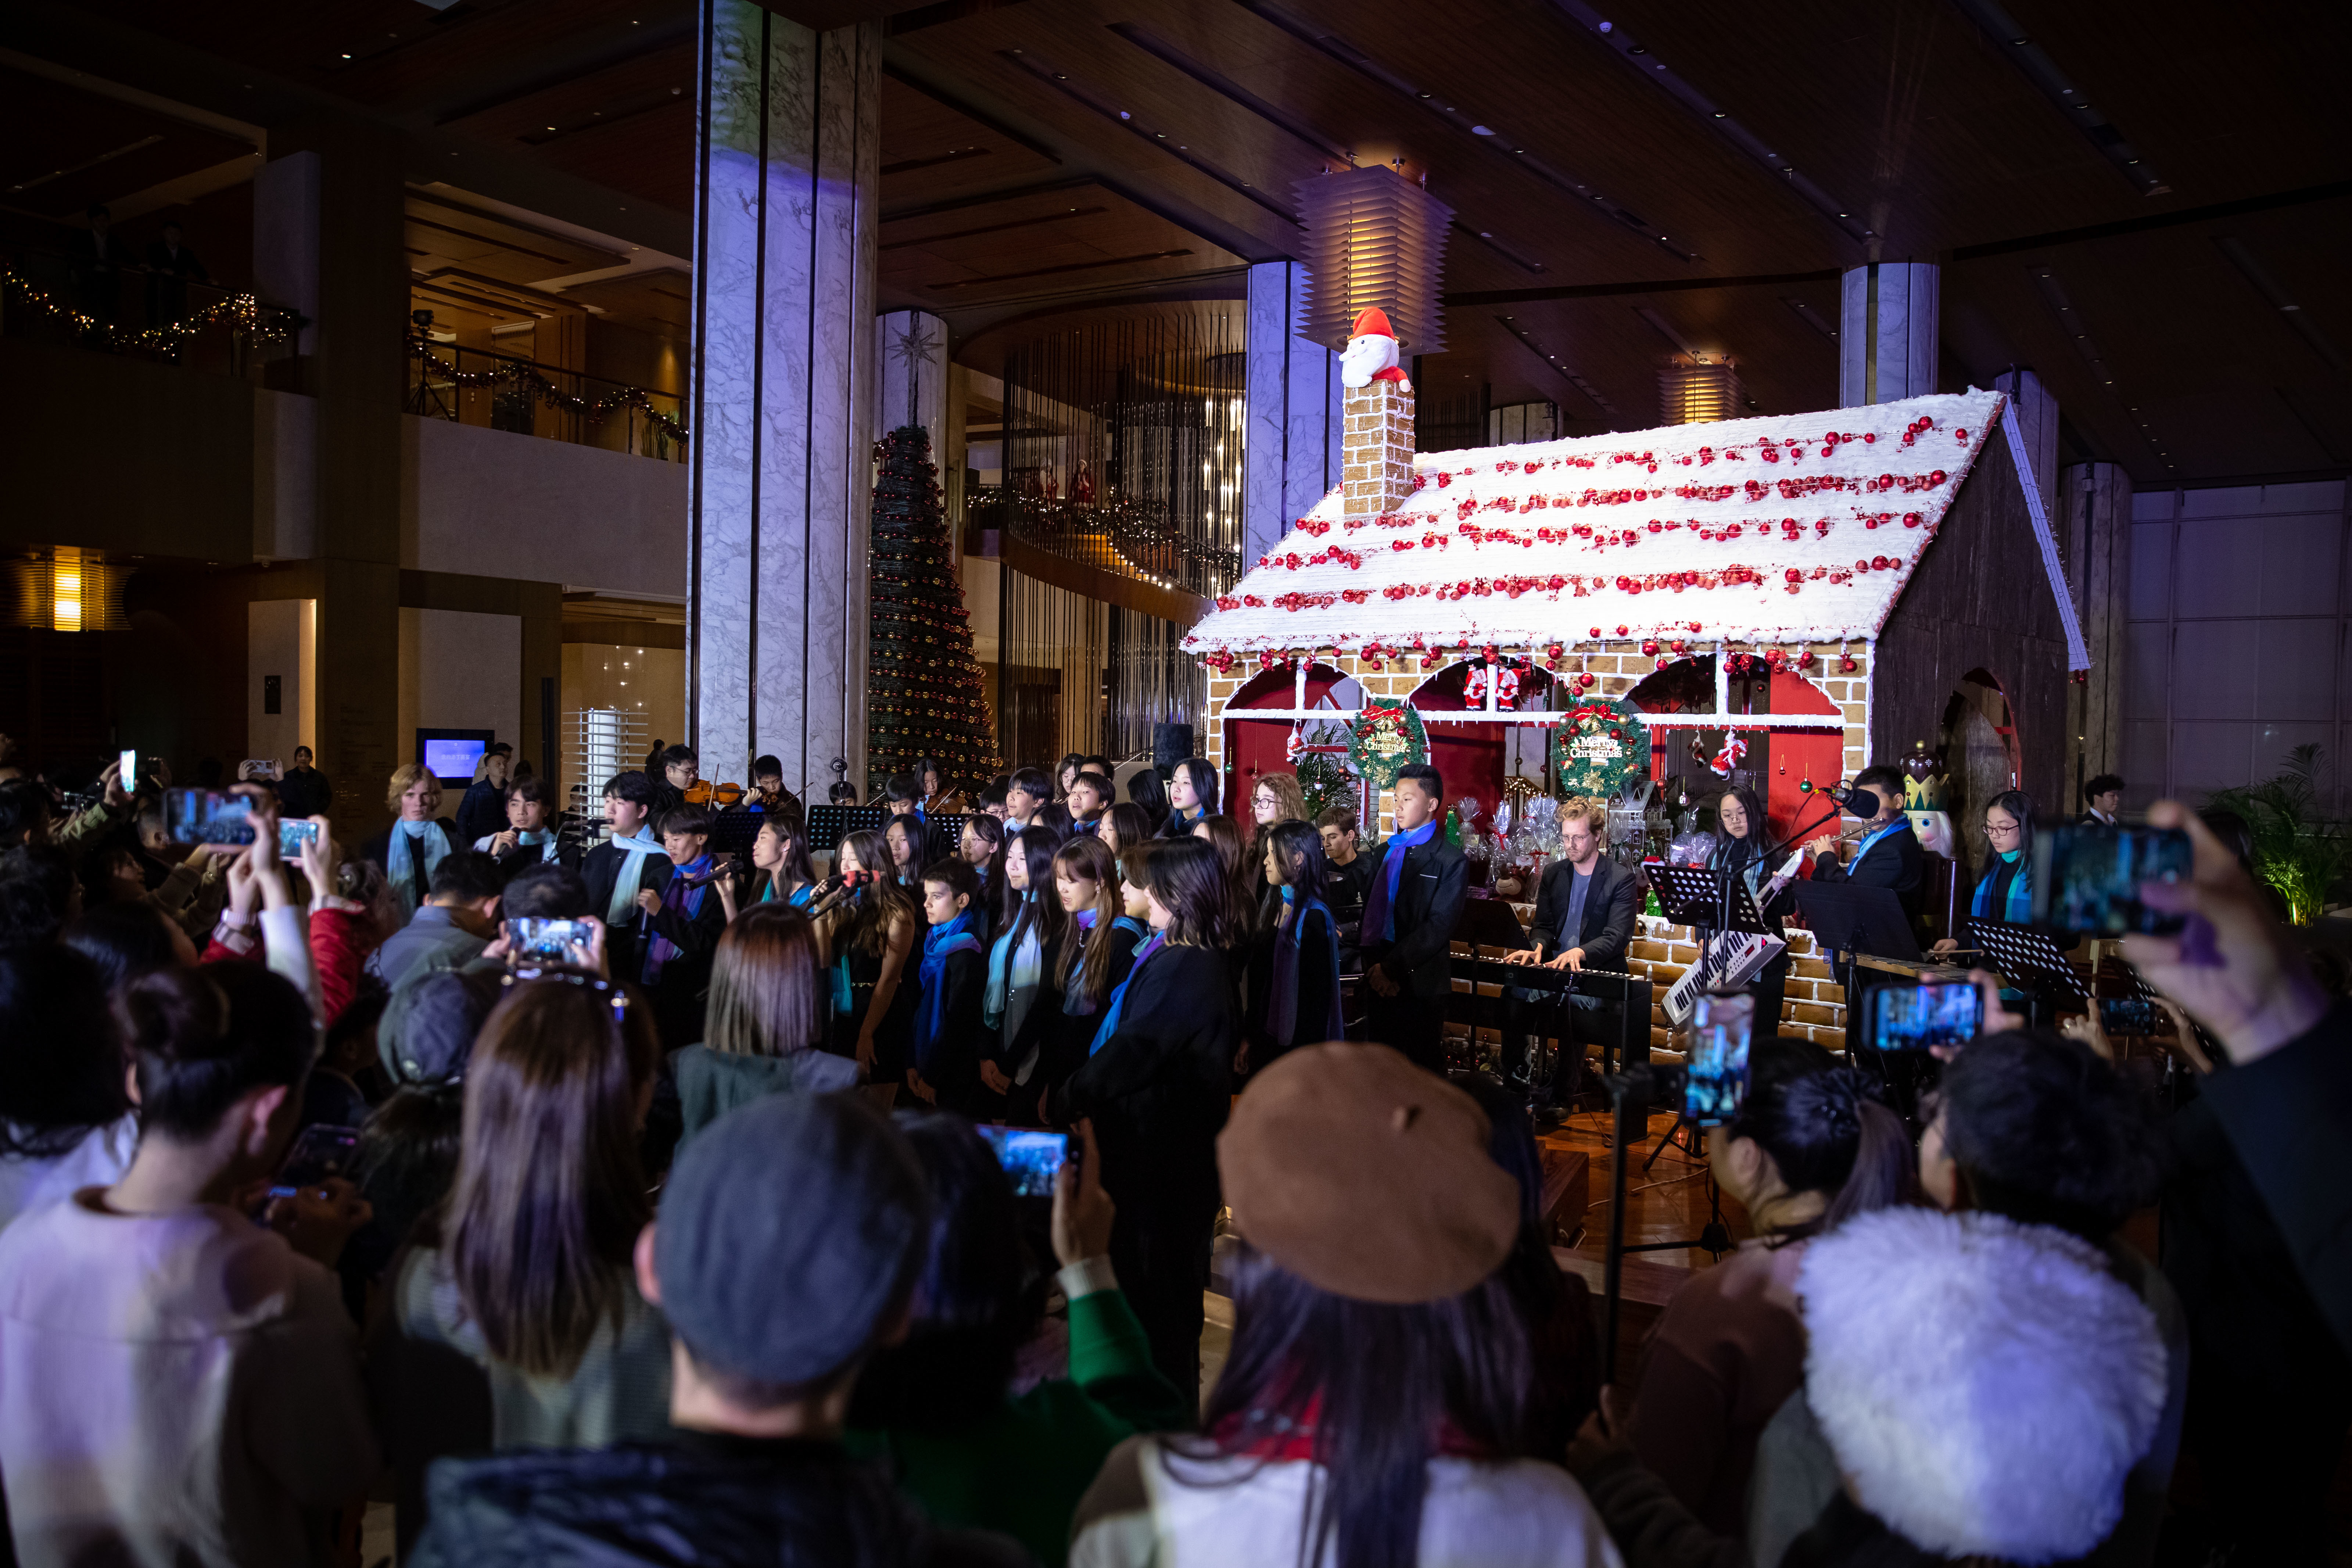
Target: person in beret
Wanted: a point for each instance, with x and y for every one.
(1370, 1410)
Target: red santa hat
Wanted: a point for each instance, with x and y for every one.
(1371, 323)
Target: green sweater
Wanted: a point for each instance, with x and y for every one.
(1022, 1470)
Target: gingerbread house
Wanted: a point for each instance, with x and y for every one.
(1786, 597)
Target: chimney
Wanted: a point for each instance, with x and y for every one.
(1376, 451)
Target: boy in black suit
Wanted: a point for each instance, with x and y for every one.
(1415, 898)
(1584, 920)
(1888, 855)
(631, 861)
(2103, 801)
(953, 977)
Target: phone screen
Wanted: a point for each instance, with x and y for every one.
(2130, 1016)
(320, 1153)
(1914, 1017)
(540, 939)
(1029, 1156)
(2088, 878)
(1714, 1078)
(127, 768)
(208, 817)
(292, 834)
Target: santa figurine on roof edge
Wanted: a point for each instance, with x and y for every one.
(1372, 352)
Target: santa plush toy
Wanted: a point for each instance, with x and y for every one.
(1372, 352)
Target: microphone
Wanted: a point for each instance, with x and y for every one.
(1860, 803)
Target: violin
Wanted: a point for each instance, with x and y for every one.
(702, 792)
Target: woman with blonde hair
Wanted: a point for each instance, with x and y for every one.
(527, 1271)
(417, 842)
(763, 1030)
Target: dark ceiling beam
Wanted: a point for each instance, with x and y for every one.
(1274, 114)
(1613, 36)
(623, 51)
(1605, 291)
(1512, 150)
(2272, 203)
(1037, 66)
(2058, 87)
(969, 109)
(2290, 311)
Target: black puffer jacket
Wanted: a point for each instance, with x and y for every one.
(697, 1501)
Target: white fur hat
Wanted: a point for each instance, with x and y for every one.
(1986, 1385)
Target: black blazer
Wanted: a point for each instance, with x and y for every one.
(1318, 983)
(1896, 861)
(1607, 928)
(1160, 1088)
(523, 856)
(379, 849)
(1430, 890)
(600, 869)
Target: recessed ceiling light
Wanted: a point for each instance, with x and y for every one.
(1720, 115)
(347, 55)
(1482, 130)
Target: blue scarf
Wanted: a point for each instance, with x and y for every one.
(1379, 904)
(687, 902)
(1014, 971)
(1282, 1005)
(1119, 997)
(424, 841)
(2018, 908)
(634, 850)
(940, 943)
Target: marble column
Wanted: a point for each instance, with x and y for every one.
(1291, 459)
(1887, 317)
(783, 402)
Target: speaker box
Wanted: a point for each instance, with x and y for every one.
(1170, 744)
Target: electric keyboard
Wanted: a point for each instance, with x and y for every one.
(1728, 961)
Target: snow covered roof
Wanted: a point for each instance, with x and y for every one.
(1800, 526)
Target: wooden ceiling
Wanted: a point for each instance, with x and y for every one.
(68, 147)
(1631, 180)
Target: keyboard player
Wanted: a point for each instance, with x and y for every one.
(1584, 920)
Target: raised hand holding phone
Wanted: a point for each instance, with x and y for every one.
(1083, 1211)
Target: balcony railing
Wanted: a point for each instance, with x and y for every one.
(129, 308)
(1134, 539)
(472, 386)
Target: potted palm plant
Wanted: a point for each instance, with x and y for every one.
(2300, 852)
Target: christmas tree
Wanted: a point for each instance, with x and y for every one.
(923, 692)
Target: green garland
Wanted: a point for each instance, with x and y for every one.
(1384, 739)
(1594, 746)
(1325, 783)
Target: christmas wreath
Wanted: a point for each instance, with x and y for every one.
(1385, 737)
(1593, 746)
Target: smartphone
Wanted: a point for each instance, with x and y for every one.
(208, 817)
(2131, 1016)
(257, 770)
(1030, 1157)
(1715, 1072)
(127, 768)
(319, 1152)
(292, 834)
(2088, 878)
(1932, 1013)
(538, 938)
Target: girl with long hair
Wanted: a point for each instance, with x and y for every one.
(932, 780)
(2005, 891)
(1065, 773)
(1293, 967)
(528, 1271)
(1740, 828)
(982, 847)
(1157, 1079)
(1096, 948)
(871, 938)
(1274, 797)
(763, 1031)
(1017, 1013)
(1808, 1149)
(1372, 1411)
(1191, 796)
(1149, 792)
(907, 834)
(1124, 826)
(1242, 880)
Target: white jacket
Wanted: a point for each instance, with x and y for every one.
(1516, 1514)
(174, 1389)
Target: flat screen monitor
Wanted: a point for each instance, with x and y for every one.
(451, 756)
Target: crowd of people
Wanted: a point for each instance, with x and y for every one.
(639, 1202)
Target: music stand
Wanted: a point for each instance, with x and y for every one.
(2028, 959)
(829, 825)
(1853, 921)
